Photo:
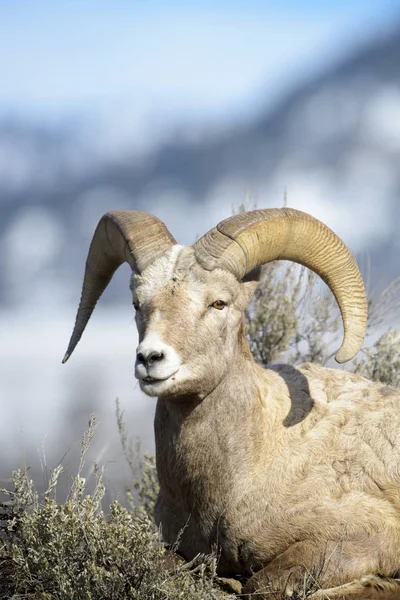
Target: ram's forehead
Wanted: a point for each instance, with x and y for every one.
(179, 266)
(161, 270)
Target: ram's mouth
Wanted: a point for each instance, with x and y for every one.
(149, 379)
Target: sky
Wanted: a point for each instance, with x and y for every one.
(169, 61)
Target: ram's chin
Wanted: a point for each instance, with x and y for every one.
(159, 388)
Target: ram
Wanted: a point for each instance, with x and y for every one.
(286, 471)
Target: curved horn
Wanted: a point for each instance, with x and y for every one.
(121, 236)
(248, 240)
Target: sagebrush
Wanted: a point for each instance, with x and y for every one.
(75, 550)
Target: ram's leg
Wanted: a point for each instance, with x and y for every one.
(297, 569)
(305, 568)
(370, 587)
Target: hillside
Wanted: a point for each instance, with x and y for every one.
(333, 142)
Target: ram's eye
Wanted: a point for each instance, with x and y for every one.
(218, 304)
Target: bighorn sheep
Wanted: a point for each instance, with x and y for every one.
(286, 470)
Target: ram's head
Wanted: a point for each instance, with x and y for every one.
(190, 300)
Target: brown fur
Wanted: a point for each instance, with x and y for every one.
(284, 468)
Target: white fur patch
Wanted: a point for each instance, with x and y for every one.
(159, 272)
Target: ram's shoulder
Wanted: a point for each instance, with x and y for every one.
(338, 385)
(334, 377)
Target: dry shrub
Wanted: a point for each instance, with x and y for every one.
(76, 551)
(291, 317)
(294, 318)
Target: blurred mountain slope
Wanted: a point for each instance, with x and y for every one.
(334, 142)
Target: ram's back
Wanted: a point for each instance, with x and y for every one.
(339, 452)
(363, 419)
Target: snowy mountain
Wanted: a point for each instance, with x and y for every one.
(333, 143)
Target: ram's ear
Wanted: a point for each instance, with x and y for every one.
(248, 290)
(250, 284)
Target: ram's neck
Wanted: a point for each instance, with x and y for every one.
(217, 439)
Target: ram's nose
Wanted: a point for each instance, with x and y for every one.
(152, 353)
(147, 357)
(155, 358)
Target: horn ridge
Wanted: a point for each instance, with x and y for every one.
(120, 236)
(289, 234)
